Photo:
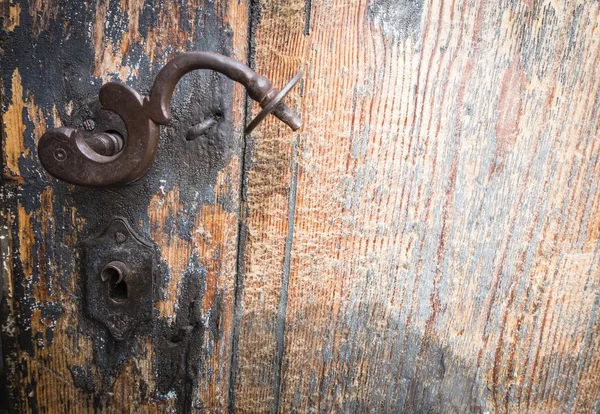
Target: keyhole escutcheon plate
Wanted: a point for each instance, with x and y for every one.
(118, 270)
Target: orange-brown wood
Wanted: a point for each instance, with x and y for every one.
(428, 242)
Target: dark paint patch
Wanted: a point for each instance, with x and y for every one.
(144, 390)
(39, 340)
(149, 17)
(226, 198)
(117, 22)
(307, 10)
(179, 348)
(49, 335)
(184, 19)
(4, 251)
(51, 312)
(237, 312)
(82, 378)
(397, 19)
(215, 319)
(31, 395)
(169, 226)
(255, 19)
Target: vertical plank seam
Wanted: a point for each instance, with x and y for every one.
(285, 281)
(253, 8)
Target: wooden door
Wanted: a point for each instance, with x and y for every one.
(427, 242)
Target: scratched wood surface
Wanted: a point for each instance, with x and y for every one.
(429, 241)
(55, 56)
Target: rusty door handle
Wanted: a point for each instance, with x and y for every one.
(106, 159)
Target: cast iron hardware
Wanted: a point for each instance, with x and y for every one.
(115, 157)
(118, 271)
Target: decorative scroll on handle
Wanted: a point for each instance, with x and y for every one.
(104, 160)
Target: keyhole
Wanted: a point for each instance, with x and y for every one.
(117, 290)
(114, 273)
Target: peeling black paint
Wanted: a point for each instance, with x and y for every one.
(179, 348)
(56, 71)
(49, 335)
(82, 378)
(31, 396)
(51, 312)
(117, 21)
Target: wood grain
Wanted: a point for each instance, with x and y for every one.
(429, 241)
(55, 56)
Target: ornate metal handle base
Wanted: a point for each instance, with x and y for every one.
(103, 160)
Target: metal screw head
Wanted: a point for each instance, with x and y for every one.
(120, 237)
(60, 154)
(89, 124)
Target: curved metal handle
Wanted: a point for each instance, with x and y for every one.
(259, 88)
(67, 155)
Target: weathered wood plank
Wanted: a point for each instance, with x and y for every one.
(443, 225)
(266, 218)
(55, 56)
